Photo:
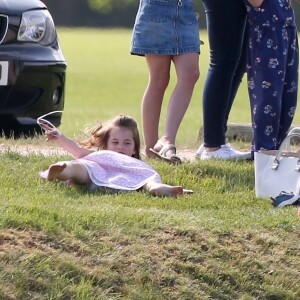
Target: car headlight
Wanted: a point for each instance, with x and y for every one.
(37, 26)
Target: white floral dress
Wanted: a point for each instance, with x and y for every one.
(116, 171)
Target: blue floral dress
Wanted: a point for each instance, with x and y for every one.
(272, 71)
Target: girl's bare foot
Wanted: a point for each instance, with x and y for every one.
(187, 192)
(161, 189)
(55, 170)
(169, 190)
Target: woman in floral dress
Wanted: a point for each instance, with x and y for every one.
(272, 70)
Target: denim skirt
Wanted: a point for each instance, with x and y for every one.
(165, 27)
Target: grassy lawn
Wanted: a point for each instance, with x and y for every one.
(59, 242)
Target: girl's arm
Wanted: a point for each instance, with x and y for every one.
(70, 146)
(66, 143)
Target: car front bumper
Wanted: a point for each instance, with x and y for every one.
(31, 88)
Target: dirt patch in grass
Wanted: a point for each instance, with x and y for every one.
(186, 154)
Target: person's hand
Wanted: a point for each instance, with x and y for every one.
(255, 3)
(49, 129)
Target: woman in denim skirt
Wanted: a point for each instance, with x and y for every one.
(166, 31)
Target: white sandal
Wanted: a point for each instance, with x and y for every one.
(162, 153)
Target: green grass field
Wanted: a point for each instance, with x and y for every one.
(59, 242)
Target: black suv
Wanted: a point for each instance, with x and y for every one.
(32, 65)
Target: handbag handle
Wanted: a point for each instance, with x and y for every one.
(294, 130)
(287, 141)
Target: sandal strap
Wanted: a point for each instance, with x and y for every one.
(162, 153)
(166, 147)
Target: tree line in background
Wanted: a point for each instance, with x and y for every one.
(102, 13)
(108, 13)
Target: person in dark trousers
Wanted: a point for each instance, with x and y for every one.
(226, 20)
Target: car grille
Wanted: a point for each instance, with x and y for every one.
(3, 27)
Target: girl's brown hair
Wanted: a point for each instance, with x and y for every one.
(99, 134)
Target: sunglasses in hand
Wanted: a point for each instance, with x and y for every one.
(47, 126)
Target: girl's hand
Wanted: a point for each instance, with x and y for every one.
(50, 130)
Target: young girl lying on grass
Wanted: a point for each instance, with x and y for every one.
(116, 163)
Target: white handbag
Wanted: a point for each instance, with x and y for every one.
(278, 171)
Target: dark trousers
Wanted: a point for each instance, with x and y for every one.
(226, 20)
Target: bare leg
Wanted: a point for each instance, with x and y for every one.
(69, 170)
(162, 189)
(187, 70)
(159, 76)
